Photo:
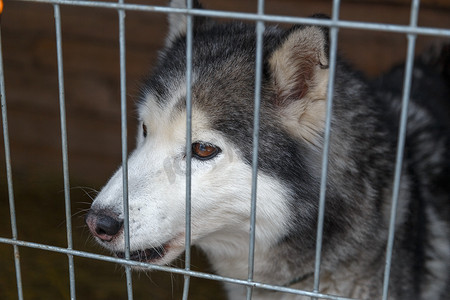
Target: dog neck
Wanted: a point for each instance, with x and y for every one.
(229, 256)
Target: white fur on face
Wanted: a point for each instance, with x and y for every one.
(221, 191)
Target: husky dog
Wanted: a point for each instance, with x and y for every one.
(364, 128)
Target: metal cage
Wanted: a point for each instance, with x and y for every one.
(411, 31)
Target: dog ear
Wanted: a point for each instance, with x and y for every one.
(299, 74)
(178, 22)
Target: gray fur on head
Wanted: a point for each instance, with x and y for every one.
(178, 21)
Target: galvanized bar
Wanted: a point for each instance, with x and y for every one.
(168, 269)
(12, 207)
(123, 114)
(189, 37)
(255, 17)
(400, 145)
(62, 108)
(258, 76)
(326, 145)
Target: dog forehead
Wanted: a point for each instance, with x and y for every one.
(222, 56)
(168, 119)
(225, 91)
(222, 84)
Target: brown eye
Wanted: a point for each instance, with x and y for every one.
(144, 130)
(204, 151)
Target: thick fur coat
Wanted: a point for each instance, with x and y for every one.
(364, 128)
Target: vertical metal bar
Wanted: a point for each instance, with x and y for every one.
(400, 144)
(258, 74)
(123, 114)
(12, 208)
(326, 145)
(189, 37)
(62, 108)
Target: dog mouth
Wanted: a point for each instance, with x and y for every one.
(146, 255)
(156, 255)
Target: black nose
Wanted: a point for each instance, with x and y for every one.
(103, 225)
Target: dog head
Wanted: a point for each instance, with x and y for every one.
(291, 125)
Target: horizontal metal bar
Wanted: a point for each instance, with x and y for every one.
(255, 17)
(168, 269)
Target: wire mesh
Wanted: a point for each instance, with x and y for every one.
(123, 116)
(12, 209)
(187, 261)
(258, 75)
(64, 148)
(326, 146)
(401, 144)
(411, 30)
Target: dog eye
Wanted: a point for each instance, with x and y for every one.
(144, 130)
(204, 151)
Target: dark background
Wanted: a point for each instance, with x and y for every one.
(91, 74)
